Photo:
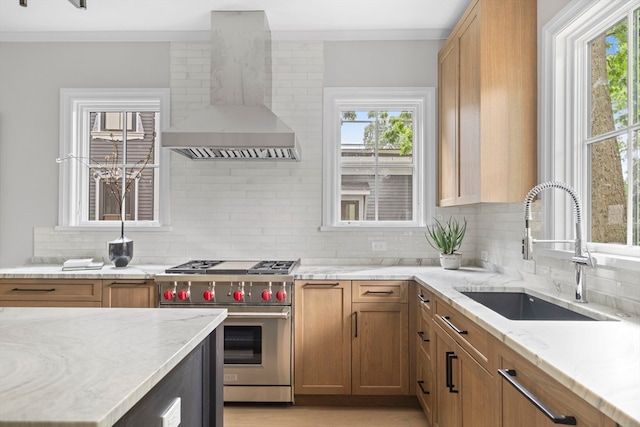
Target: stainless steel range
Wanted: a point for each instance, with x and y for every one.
(258, 330)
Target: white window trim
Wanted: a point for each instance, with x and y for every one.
(561, 119)
(72, 104)
(424, 152)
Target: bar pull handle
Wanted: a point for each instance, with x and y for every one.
(379, 292)
(449, 356)
(446, 320)
(328, 285)
(355, 321)
(423, 299)
(508, 375)
(421, 334)
(32, 290)
(142, 282)
(420, 382)
(258, 315)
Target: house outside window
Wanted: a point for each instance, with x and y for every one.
(379, 157)
(594, 145)
(106, 133)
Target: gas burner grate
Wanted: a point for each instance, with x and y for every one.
(272, 267)
(193, 267)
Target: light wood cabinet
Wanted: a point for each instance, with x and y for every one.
(464, 390)
(50, 293)
(517, 410)
(425, 347)
(487, 104)
(322, 355)
(129, 293)
(351, 337)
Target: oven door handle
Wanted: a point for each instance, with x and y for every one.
(284, 314)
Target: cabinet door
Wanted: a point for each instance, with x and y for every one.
(322, 357)
(447, 392)
(469, 112)
(380, 360)
(518, 410)
(448, 123)
(465, 392)
(129, 293)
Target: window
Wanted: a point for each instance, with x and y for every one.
(590, 120)
(110, 146)
(379, 157)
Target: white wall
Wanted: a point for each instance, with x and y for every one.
(31, 75)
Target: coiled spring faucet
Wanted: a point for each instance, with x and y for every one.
(579, 258)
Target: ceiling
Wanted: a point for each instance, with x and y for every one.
(59, 20)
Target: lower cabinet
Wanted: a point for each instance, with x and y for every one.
(467, 378)
(129, 293)
(50, 293)
(78, 293)
(549, 403)
(351, 338)
(464, 389)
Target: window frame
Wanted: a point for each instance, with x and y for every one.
(75, 104)
(564, 92)
(422, 100)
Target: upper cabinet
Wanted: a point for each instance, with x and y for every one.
(487, 104)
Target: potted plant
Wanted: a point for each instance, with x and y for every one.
(447, 238)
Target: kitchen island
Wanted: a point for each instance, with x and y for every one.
(94, 366)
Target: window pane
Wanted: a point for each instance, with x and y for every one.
(609, 65)
(106, 160)
(635, 189)
(376, 165)
(609, 190)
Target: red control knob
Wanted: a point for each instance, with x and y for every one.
(208, 295)
(238, 295)
(266, 295)
(183, 294)
(168, 294)
(281, 295)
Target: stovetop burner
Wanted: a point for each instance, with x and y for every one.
(233, 267)
(193, 267)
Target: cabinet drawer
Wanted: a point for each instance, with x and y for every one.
(379, 291)
(425, 390)
(425, 299)
(518, 410)
(76, 290)
(425, 334)
(470, 336)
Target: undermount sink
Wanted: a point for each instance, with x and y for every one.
(522, 306)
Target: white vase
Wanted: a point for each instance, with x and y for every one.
(451, 261)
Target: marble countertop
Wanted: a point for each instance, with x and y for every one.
(599, 361)
(88, 366)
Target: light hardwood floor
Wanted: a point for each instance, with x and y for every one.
(321, 416)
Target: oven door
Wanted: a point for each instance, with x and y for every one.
(257, 346)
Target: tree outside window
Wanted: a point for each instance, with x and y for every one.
(612, 141)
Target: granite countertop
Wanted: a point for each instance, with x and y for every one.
(599, 361)
(88, 366)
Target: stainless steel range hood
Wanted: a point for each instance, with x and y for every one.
(238, 124)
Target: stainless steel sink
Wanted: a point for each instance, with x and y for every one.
(522, 306)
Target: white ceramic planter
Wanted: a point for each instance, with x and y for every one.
(451, 261)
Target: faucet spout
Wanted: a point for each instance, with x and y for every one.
(579, 258)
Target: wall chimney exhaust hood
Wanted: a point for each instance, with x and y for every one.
(238, 124)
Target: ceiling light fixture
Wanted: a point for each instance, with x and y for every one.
(80, 4)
